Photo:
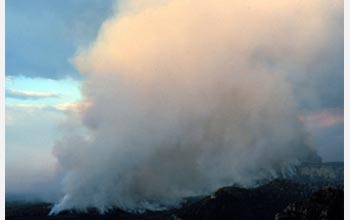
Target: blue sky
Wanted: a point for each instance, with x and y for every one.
(41, 35)
(36, 91)
(42, 85)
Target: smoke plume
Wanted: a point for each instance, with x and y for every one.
(188, 96)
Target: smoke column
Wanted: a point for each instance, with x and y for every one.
(189, 96)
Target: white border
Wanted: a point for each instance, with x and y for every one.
(2, 110)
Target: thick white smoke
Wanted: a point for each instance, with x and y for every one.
(188, 96)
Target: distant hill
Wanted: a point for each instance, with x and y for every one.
(332, 172)
(313, 190)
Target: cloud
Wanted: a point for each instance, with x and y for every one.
(8, 79)
(324, 118)
(23, 94)
(25, 106)
(189, 97)
(69, 107)
(73, 106)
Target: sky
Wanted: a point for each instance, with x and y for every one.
(43, 85)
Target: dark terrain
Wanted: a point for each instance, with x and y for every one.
(315, 191)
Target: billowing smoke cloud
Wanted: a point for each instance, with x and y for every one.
(189, 96)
